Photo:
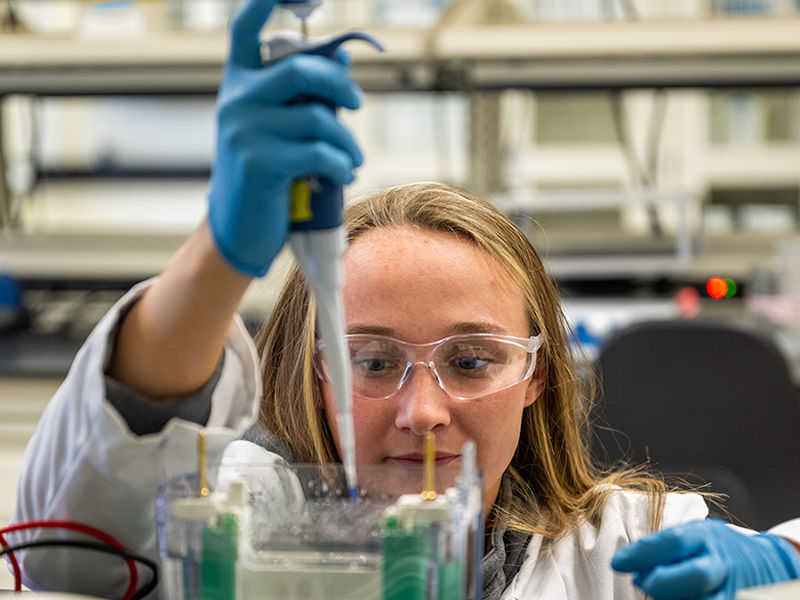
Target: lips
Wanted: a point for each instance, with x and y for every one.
(416, 459)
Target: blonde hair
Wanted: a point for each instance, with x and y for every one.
(554, 484)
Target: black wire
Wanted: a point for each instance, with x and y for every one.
(647, 173)
(623, 137)
(12, 20)
(654, 134)
(101, 547)
(630, 10)
(643, 177)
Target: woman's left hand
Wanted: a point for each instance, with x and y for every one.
(706, 560)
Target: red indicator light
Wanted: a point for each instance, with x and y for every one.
(717, 287)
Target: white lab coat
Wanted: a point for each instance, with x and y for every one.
(83, 464)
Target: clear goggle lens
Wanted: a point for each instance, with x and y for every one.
(465, 366)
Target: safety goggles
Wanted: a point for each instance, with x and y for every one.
(465, 366)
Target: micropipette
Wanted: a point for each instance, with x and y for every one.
(317, 239)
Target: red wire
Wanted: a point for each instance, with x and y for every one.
(14, 565)
(88, 530)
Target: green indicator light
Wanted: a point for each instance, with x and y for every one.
(731, 288)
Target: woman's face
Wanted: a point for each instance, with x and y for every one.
(420, 287)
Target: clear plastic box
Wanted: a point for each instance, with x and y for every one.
(289, 531)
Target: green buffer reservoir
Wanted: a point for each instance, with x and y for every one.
(407, 561)
(218, 567)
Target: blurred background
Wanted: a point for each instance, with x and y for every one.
(645, 146)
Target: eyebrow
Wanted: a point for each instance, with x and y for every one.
(478, 327)
(458, 328)
(373, 329)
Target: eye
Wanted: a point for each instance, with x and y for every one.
(470, 363)
(375, 362)
(474, 358)
(374, 365)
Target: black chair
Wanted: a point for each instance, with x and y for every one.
(712, 401)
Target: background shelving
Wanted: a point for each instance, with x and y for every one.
(106, 139)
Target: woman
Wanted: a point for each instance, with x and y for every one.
(426, 262)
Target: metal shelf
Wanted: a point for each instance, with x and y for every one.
(574, 56)
(715, 53)
(685, 53)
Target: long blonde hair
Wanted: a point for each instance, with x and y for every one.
(554, 483)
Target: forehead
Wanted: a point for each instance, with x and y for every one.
(425, 252)
(425, 283)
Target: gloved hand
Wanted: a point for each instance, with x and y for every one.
(264, 142)
(706, 560)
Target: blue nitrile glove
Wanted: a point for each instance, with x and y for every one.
(264, 142)
(706, 560)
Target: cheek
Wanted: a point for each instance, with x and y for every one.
(373, 422)
(494, 424)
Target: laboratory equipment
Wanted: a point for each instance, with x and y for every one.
(317, 239)
(290, 531)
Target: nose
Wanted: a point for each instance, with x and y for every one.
(423, 406)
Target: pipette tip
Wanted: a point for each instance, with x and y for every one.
(352, 492)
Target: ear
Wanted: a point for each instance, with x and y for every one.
(535, 386)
